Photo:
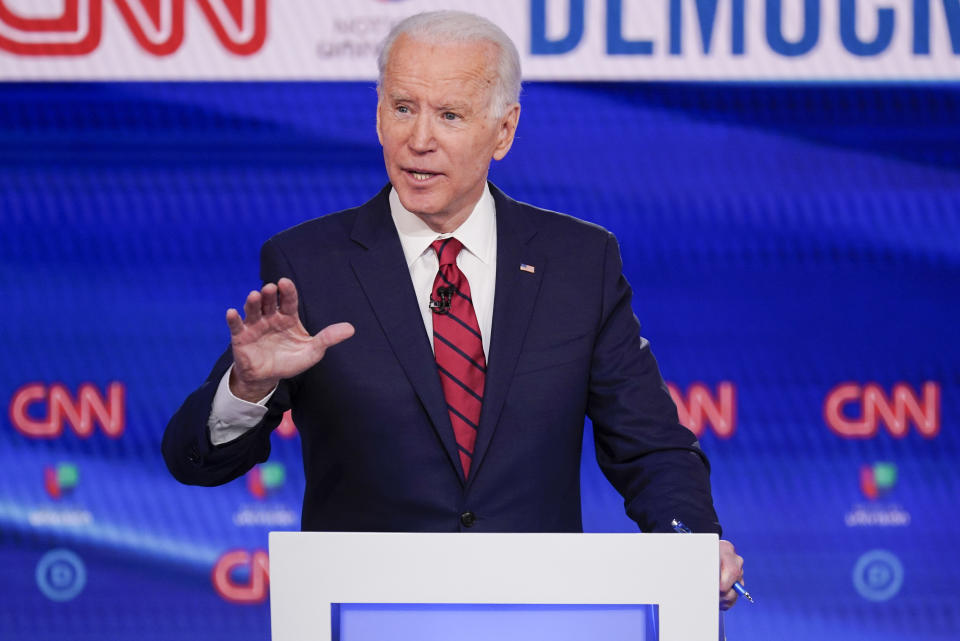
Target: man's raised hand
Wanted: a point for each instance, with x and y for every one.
(270, 342)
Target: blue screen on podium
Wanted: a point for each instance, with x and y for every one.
(483, 622)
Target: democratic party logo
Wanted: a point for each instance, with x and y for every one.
(776, 31)
(241, 577)
(60, 480)
(61, 575)
(266, 478)
(878, 479)
(158, 26)
(878, 575)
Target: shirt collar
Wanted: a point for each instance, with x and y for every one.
(477, 233)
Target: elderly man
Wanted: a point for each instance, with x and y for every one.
(441, 344)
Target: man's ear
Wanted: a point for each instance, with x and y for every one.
(506, 129)
(379, 135)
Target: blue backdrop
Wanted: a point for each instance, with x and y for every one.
(781, 241)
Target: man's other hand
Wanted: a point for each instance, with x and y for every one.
(270, 342)
(731, 571)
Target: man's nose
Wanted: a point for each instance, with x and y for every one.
(422, 137)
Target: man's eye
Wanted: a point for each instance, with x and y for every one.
(403, 109)
(449, 115)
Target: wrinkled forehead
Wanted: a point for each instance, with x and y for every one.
(464, 69)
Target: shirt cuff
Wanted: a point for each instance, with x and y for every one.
(232, 417)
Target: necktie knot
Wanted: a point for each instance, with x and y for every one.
(447, 250)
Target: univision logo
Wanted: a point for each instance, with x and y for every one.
(261, 481)
(878, 479)
(61, 479)
(266, 478)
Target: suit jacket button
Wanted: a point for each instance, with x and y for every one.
(467, 519)
(193, 456)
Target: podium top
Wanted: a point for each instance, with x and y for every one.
(312, 571)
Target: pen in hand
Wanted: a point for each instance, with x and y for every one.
(678, 526)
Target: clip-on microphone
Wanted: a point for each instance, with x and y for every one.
(441, 305)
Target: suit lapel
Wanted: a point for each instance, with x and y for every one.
(516, 293)
(385, 279)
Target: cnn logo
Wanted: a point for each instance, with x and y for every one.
(701, 407)
(287, 428)
(75, 27)
(242, 577)
(871, 406)
(41, 411)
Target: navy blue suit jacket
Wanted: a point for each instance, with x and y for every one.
(378, 448)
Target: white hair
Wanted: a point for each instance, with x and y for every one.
(448, 27)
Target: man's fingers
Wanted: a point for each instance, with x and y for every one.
(234, 322)
(251, 308)
(287, 296)
(333, 334)
(268, 300)
(731, 571)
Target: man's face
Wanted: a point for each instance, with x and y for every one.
(435, 122)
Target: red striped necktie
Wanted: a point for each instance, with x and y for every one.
(458, 348)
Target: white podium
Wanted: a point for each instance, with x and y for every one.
(423, 582)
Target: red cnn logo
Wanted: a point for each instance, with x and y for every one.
(157, 25)
(89, 406)
(252, 589)
(287, 429)
(702, 407)
(896, 411)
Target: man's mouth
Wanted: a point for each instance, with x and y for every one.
(421, 176)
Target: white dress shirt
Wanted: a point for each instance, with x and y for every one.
(231, 417)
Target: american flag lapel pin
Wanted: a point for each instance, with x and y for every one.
(530, 269)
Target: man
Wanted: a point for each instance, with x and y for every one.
(481, 332)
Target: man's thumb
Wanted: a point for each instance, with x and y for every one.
(333, 334)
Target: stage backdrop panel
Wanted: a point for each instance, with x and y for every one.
(794, 250)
